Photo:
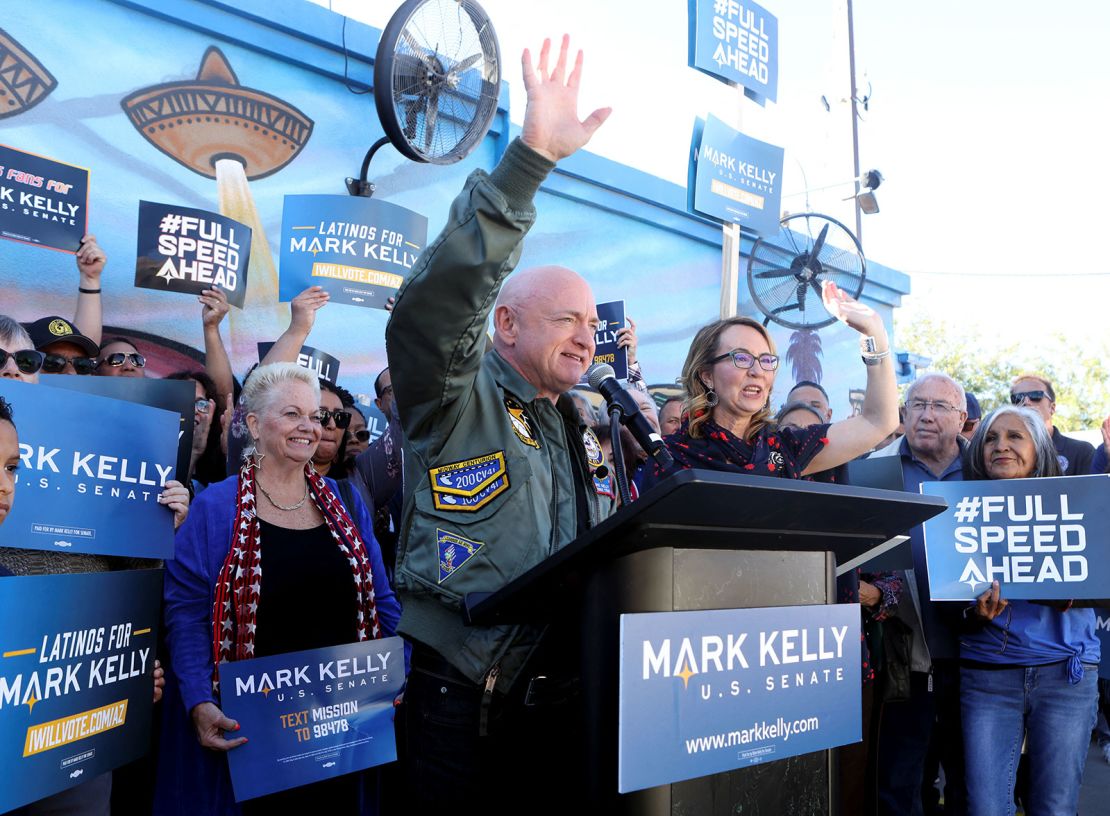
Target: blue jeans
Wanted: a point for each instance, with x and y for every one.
(1000, 706)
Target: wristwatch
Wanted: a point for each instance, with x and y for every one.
(868, 353)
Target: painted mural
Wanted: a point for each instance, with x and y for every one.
(232, 110)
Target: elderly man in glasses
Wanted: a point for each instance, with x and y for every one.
(1036, 392)
(935, 413)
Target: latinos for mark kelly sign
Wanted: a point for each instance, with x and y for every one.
(90, 472)
(42, 201)
(312, 715)
(610, 321)
(359, 249)
(76, 677)
(1041, 539)
(186, 250)
(706, 692)
(735, 178)
(738, 43)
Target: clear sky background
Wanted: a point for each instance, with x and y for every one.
(987, 119)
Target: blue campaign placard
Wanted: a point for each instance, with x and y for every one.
(90, 473)
(76, 677)
(359, 249)
(1102, 629)
(610, 321)
(1041, 539)
(182, 249)
(312, 715)
(735, 178)
(738, 43)
(42, 201)
(706, 692)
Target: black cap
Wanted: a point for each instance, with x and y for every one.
(973, 409)
(54, 329)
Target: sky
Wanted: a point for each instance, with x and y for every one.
(985, 119)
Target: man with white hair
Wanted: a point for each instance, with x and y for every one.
(934, 411)
(498, 475)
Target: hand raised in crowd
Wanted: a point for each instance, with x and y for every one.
(847, 309)
(214, 306)
(1106, 433)
(991, 603)
(159, 679)
(626, 338)
(175, 496)
(225, 423)
(90, 262)
(551, 124)
(304, 306)
(211, 724)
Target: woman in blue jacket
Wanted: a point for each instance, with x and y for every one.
(1028, 669)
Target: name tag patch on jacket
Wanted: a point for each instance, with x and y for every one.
(603, 486)
(454, 552)
(470, 484)
(522, 424)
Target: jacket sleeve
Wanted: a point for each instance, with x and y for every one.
(188, 593)
(435, 338)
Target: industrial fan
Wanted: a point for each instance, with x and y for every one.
(437, 76)
(785, 277)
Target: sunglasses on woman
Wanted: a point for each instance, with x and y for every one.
(56, 364)
(342, 418)
(116, 359)
(363, 435)
(28, 361)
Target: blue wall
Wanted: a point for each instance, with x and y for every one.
(627, 232)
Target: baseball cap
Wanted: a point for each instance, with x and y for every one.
(54, 329)
(973, 409)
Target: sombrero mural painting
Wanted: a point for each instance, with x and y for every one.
(24, 82)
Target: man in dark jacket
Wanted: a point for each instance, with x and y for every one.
(497, 477)
(1036, 392)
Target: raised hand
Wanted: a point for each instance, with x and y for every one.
(214, 306)
(551, 124)
(90, 262)
(1106, 434)
(304, 306)
(847, 309)
(626, 338)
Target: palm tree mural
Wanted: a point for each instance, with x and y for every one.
(804, 355)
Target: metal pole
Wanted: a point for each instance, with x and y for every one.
(730, 244)
(855, 119)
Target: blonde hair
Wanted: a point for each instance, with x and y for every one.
(264, 381)
(702, 350)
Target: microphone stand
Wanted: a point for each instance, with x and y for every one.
(621, 476)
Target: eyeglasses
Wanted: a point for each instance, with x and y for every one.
(28, 361)
(342, 418)
(921, 406)
(363, 435)
(1032, 396)
(745, 359)
(116, 359)
(56, 363)
(202, 406)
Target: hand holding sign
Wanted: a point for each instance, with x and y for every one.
(551, 124)
(90, 262)
(990, 604)
(214, 307)
(211, 724)
(626, 339)
(175, 497)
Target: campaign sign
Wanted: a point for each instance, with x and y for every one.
(76, 677)
(90, 473)
(320, 363)
(359, 249)
(734, 177)
(706, 692)
(1041, 539)
(738, 43)
(178, 396)
(1102, 629)
(186, 250)
(610, 321)
(42, 201)
(312, 715)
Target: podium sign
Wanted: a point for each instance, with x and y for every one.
(710, 691)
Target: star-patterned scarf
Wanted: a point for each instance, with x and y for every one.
(234, 613)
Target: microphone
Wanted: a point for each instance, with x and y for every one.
(603, 378)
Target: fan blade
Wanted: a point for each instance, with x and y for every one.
(465, 64)
(775, 272)
(816, 287)
(430, 114)
(411, 42)
(820, 242)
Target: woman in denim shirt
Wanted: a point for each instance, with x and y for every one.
(1028, 668)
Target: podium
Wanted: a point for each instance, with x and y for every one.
(702, 540)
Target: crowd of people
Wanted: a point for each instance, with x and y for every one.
(361, 542)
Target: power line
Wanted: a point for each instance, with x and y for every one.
(1009, 274)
